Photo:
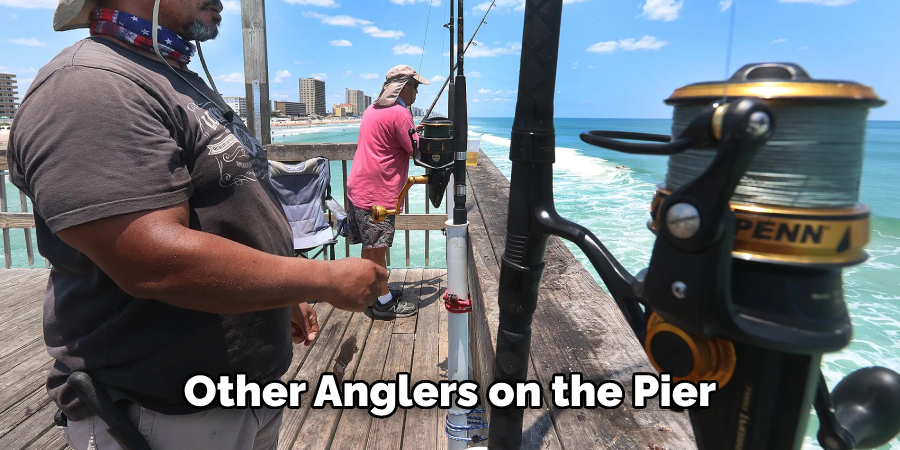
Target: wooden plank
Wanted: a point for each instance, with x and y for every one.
(420, 422)
(16, 220)
(387, 433)
(12, 359)
(420, 222)
(294, 153)
(323, 311)
(22, 410)
(353, 428)
(577, 327)
(319, 360)
(315, 434)
(22, 436)
(23, 379)
(412, 284)
(52, 439)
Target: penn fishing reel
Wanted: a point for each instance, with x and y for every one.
(434, 152)
(754, 223)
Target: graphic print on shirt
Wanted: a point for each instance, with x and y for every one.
(240, 156)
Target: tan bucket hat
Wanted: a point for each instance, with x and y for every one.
(394, 81)
(72, 14)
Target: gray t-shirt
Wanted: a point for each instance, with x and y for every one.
(104, 131)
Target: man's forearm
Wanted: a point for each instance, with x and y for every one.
(155, 255)
(196, 270)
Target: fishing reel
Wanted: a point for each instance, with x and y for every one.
(434, 152)
(744, 293)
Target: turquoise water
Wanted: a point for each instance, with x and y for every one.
(614, 204)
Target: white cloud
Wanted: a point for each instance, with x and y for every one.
(341, 21)
(319, 76)
(31, 42)
(474, 74)
(480, 49)
(323, 3)
(281, 75)
(412, 2)
(348, 73)
(379, 33)
(603, 47)
(437, 78)
(406, 49)
(645, 43)
(368, 76)
(816, 2)
(803, 48)
(368, 26)
(234, 77)
(575, 65)
(503, 5)
(485, 91)
(665, 10)
(280, 96)
(724, 5)
(30, 4)
(590, 66)
(778, 41)
(341, 43)
(231, 7)
(13, 16)
(298, 62)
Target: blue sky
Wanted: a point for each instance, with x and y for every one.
(618, 58)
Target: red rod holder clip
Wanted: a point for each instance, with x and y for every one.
(456, 306)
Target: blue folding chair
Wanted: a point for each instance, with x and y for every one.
(316, 219)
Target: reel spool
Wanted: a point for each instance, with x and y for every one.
(434, 152)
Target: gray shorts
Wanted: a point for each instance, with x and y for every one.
(362, 229)
(215, 429)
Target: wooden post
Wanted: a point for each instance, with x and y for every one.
(256, 69)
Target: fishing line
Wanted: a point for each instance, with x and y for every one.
(814, 159)
(422, 58)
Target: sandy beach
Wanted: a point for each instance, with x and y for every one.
(310, 122)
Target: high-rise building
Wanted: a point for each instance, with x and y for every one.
(9, 95)
(368, 102)
(291, 109)
(344, 110)
(356, 97)
(238, 104)
(312, 93)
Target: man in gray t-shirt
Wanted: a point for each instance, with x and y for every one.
(171, 254)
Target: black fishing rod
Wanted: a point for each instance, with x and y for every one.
(453, 67)
(722, 299)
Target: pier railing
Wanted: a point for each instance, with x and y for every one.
(286, 153)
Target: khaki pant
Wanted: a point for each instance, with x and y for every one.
(216, 429)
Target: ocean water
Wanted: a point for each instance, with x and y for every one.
(614, 204)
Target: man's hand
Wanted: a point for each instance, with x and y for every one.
(420, 127)
(304, 326)
(356, 283)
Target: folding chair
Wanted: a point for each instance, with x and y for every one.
(316, 219)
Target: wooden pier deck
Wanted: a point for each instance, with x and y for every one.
(417, 345)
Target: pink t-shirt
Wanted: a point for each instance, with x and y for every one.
(381, 164)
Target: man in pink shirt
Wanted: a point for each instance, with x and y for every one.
(379, 171)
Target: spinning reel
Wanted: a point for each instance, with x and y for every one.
(434, 152)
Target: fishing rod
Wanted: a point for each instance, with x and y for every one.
(463, 50)
(744, 283)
